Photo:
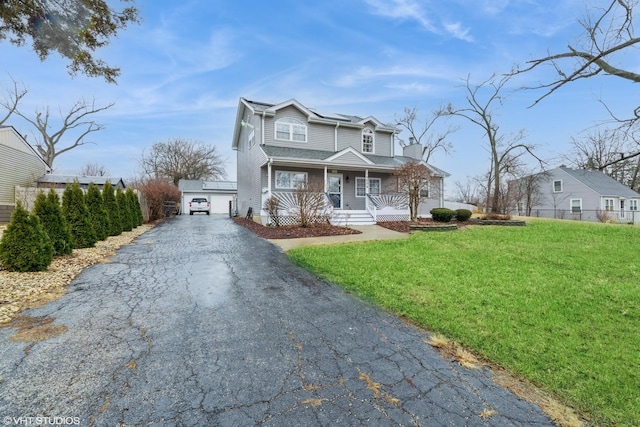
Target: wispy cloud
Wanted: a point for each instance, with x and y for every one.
(412, 10)
(402, 9)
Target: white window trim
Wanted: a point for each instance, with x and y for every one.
(373, 140)
(633, 205)
(571, 206)
(612, 204)
(553, 185)
(291, 122)
(306, 178)
(370, 179)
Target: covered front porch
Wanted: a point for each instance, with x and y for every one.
(349, 195)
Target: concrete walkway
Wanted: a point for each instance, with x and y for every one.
(368, 232)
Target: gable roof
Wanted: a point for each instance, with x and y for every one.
(306, 157)
(601, 183)
(16, 141)
(315, 115)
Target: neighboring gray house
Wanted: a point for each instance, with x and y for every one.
(61, 181)
(583, 194)
(280, 146)
(20, 165)
(219, 194)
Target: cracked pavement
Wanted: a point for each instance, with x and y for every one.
(200, 322)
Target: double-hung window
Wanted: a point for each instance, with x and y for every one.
(633, 205)
(367, 140)
(608, 204)
(290, 129)
(290, 180)
(557, 186)
(375, 185)
(576, 206)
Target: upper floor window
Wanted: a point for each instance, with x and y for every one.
(557, 186)
(290, 129)
(367, 140)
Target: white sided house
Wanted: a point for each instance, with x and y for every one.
(218, 193)
(585, 195)
(20, 165)
(281, 146)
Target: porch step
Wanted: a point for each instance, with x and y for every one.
(351, 217)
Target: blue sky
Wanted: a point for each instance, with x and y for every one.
(187, 64)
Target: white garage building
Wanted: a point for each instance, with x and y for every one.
(219, 194)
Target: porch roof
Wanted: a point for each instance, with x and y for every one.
(318, 158)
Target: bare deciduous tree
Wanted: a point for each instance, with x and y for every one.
(504, 150)
(311, 203)
(422, 133)
(93, 169)
(76, 119)
(526, 191)
(179, 158)
(12, 99)
(74, 29)
(606, 150)
(414, 180)
(608, 41)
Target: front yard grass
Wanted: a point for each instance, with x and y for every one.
(555, 302)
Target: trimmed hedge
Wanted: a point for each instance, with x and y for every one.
(463, 214)
(47, 208)
(442, 214)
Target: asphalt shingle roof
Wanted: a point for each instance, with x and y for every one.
(601, 183)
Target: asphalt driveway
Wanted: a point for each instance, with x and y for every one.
(201, 323)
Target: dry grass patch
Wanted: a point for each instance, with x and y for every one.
(34, 329)
(558, 412)
(453, 351)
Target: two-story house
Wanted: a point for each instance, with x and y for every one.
(580, 194)
(281, 146)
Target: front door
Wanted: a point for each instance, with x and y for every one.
(334, 189)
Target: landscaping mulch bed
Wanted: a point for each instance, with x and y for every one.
(294, 231)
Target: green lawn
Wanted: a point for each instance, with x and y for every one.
(557, 302)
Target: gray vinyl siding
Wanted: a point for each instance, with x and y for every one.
(350, 137)
(571, 189)
(16, 168)
(249, 159)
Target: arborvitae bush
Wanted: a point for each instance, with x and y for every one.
(113, 211)
(442, 214)
(125, 213)
(97, 212)
(25, 245)
(75, 211)
(48, 210)
(463, 214)
(134, 207)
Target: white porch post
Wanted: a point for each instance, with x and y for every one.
(442, 192)
(269, 179)
(325, 179)
(366, 189)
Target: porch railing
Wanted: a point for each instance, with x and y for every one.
(289, 207)
(388, 207)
